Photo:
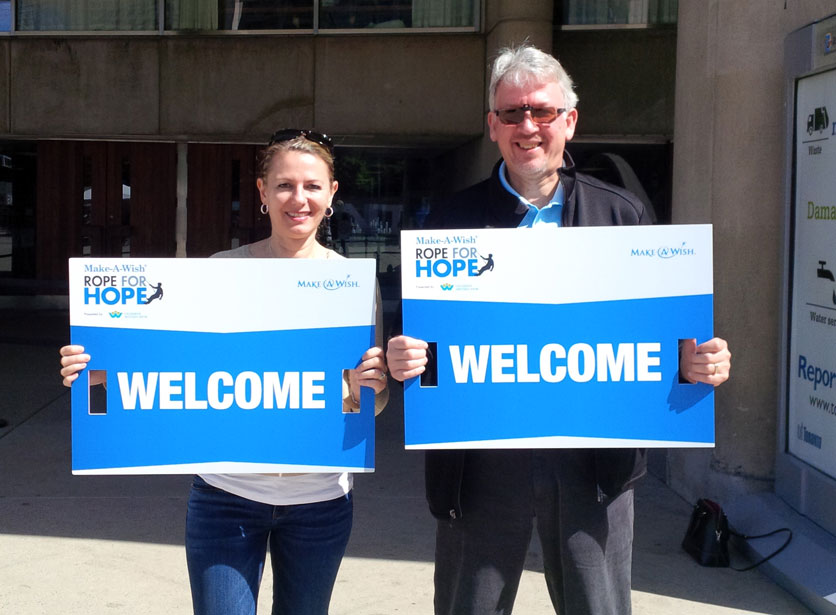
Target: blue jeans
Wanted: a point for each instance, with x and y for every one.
(226, 544)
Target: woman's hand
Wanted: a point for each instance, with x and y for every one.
(407, 357)
(73, 360)
(371, 372)
(710, 362)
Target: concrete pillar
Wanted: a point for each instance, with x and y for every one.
(728, 144)
(507, 22)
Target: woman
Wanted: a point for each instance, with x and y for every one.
(305, 518)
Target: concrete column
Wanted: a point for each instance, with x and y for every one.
(728, 144)
(507, 22)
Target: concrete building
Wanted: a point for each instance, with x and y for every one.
(142, 142)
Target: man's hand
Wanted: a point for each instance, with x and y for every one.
(710, 362)
(406, 357)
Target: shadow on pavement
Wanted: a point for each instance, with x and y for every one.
(40, 499)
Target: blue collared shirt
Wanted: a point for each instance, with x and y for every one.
(549, 214)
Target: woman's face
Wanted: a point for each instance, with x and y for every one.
(297, 191)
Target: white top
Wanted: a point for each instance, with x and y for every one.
(284, 489)
(281, 489)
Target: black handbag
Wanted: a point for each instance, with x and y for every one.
(707, 537)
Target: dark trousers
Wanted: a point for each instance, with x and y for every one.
(587, 541)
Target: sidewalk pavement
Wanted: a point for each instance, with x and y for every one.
(97, 545)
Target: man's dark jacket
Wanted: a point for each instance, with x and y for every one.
(587, 202)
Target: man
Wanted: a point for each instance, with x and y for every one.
(580, 499)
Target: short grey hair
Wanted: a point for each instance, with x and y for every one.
(527, 65)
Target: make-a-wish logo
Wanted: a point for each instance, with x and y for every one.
(329, 283)
(664, 251)
(115, 314)
(446, 287)
(671, 252)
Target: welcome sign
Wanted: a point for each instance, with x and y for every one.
(220, 365)
(557, 337)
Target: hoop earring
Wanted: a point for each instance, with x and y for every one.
(264, 208)
(329, 211)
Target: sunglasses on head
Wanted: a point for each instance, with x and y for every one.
(539, 115)
(288, 134)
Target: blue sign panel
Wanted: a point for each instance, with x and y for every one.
(243, 376)
(579, 350)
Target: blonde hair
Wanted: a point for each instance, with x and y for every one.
(297, 144)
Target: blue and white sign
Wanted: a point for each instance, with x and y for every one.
(221, 365)
(557, 337)
(811, 399)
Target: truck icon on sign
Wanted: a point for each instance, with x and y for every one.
(817, 120)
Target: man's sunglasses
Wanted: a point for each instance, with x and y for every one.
(539, 115)
(288, 134)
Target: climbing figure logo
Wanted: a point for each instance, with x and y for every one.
(488, 266)
(158, 293)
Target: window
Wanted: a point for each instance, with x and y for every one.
(619, 12)
(92, 15)
(365, 14)
(5, 15)
(380, 193)
(17, 209)
(340, 14)
(234, 15)
(191, 14)
(264, 14)
(396, 13)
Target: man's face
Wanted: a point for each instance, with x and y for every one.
(532, 152)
